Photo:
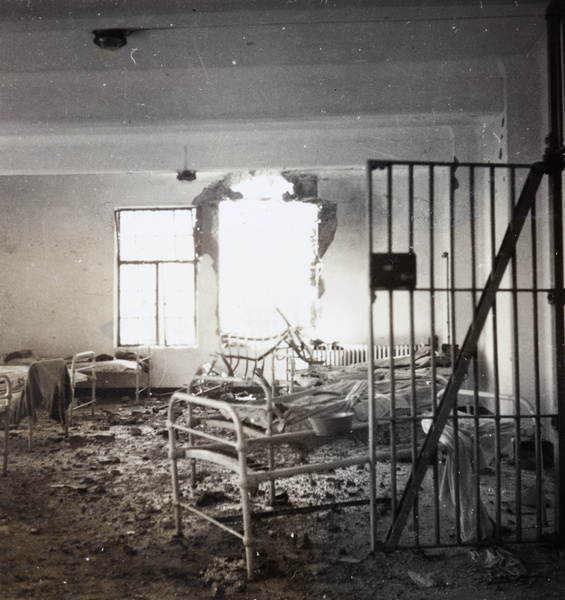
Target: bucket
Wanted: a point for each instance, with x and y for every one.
(332, 424)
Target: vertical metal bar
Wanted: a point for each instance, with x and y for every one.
(554, 17)
(516, 365)
(371, 369)
(456, 457)
(495, 353)
(451, 265)
(476, 379)
(393, 425)
(414, 403)
(429, 448)
(540, 496)
(431, 203)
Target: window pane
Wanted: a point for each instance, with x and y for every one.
(138, 304)
(136, 331)
(151, 312)
(150, 235)
(178, 303)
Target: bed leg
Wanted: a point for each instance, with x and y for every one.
(7, 420)
(175, 481)
(247, 535)
(247, 527)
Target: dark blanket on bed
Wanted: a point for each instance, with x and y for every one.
(47, 386)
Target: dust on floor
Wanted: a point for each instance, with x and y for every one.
(90, 518)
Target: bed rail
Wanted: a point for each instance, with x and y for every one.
(85, 364)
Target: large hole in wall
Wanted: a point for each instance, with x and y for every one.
(266, 233)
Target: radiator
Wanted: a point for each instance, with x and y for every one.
(351, 354)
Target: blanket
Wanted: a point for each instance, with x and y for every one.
(47, 386)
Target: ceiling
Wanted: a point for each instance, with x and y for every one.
(226, 59)
(192, 66)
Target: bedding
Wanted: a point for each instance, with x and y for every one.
(126, 370)
(327, 390)
(16, 367)
(47, 385)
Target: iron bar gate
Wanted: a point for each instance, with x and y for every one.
(486, 422)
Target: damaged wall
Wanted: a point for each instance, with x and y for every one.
(57, 256)
(60, 188)
(59, 235)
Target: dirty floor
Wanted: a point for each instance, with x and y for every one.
(90, 518)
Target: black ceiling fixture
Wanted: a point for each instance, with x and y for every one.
(111, 39)
(186, 175)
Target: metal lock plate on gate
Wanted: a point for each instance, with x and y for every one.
(393, 271)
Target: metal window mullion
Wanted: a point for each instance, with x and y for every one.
(158, 300)
(195, 296)
(117, 216)
(119, 284)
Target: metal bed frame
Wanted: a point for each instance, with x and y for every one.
(5, 398)
(89, 371)
(205, 440)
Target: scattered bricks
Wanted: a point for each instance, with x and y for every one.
(113, 419)
(105, 438)
(77, 441)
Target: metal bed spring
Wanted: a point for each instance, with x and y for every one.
(203, 445)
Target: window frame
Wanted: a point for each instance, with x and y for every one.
(160, 329)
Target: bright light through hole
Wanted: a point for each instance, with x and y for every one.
(268, 250)
(263, 187)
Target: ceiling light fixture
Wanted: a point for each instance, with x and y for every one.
(111, 39)
(186, 174)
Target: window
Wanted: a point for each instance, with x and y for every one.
(268, 261)
(156, 277)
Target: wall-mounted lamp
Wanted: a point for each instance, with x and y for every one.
(111, 39)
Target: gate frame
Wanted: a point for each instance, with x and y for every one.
(552, 165)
